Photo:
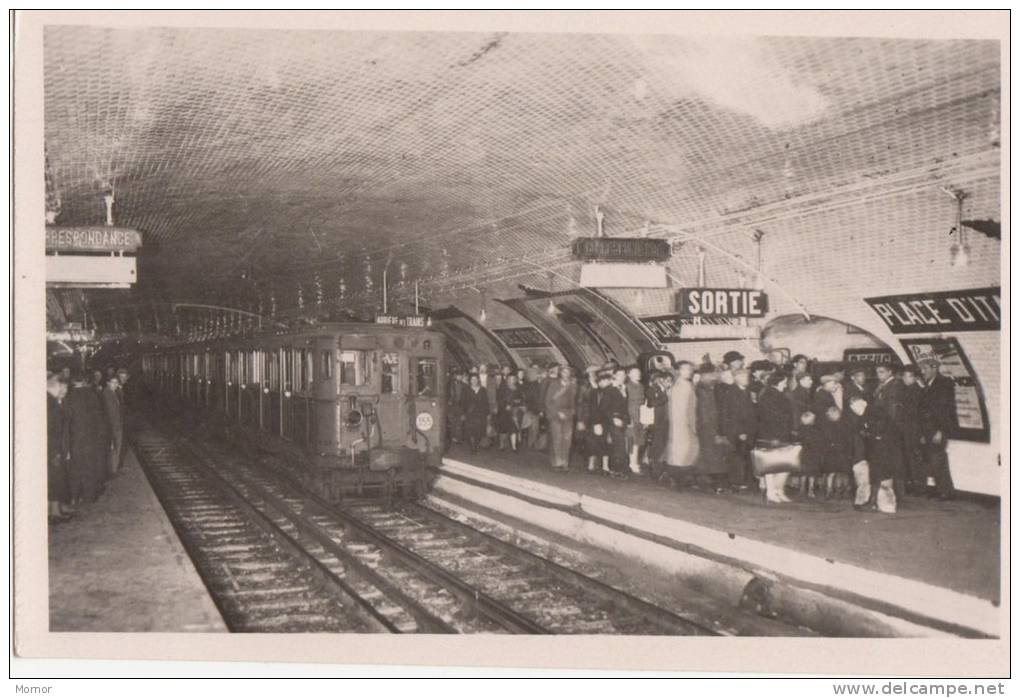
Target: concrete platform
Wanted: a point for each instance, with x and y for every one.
(932, 561)
(118, 566)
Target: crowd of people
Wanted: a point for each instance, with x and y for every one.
(780, 429)
(85, 436)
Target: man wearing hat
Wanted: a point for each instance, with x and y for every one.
(739, 426)
(734, 360)
(857, 387)
(938, 418)
(760, 372)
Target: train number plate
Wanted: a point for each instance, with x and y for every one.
(423, 421)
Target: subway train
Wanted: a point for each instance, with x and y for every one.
(351, 408)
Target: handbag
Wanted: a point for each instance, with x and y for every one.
(646, 415)
(766, 460)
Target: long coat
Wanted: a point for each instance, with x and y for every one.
(658, 400)
(475, 407)
(800, 399)
(938, 407)
(56, 451)
(773, 416)
(740, 415)
(635, 399)
(683, 420)
(909, 421)
(88, 441)
(711, 459)
(560, 399)
(840, 449)
(884, 450)
(509, 402)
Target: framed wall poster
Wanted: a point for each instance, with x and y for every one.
(971, 411)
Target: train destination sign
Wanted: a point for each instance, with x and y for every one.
(91, 238)
(722, 302)
(401, 320)
(969, 310)
(621, 249)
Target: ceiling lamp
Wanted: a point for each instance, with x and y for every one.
(959, 251)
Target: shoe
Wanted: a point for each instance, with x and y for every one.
(858, 507)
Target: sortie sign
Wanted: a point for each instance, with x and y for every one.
(969, 310)
(722, 302)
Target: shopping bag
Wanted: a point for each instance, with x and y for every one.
(784, 458)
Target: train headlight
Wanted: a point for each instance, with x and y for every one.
(353, 419)
(424, 421)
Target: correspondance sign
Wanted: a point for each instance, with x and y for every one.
(91, 238)
(970, 310)
(722, 302)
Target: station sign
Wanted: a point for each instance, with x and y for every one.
(970, 310)
(91, 238)
(401, 320)
(878, 357)
(605, 249)
(522, 338)
(722, 302)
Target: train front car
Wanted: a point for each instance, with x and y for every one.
(388, 412)
(351, 409)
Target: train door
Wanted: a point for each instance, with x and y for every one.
(425, 404)
(287, 395)
(323, 421)
(301, 398)
(392, 421)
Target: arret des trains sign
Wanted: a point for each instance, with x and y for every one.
(722, 302)
(970, 310)
(92, 238)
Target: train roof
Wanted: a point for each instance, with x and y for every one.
(319, 330)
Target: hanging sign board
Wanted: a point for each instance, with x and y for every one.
(620, 250)
(722, 302)
(612, 275)
(970, 310)
(90, 272)
(670, 329)
(971, 412)
(91, 238)
(401, 320)
(522, 338)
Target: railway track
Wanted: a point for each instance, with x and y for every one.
(404, 569)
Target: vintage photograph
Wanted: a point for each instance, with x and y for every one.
(569, 332)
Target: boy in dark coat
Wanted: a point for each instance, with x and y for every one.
(839, 454)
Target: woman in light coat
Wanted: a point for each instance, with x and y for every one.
(682, 450)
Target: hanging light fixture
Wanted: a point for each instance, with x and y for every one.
(551, 308)
(483, 316)
(959, 251)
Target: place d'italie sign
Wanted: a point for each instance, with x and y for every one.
(969, 310)
(91, 238)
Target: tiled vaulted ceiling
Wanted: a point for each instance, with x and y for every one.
(286, 168)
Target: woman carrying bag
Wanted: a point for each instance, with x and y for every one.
(774, 457)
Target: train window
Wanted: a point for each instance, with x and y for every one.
(273, 369)
(288, 370)
(427, 378)
(327, 363)
(353, 367)
(390, 372)
(307, 358)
